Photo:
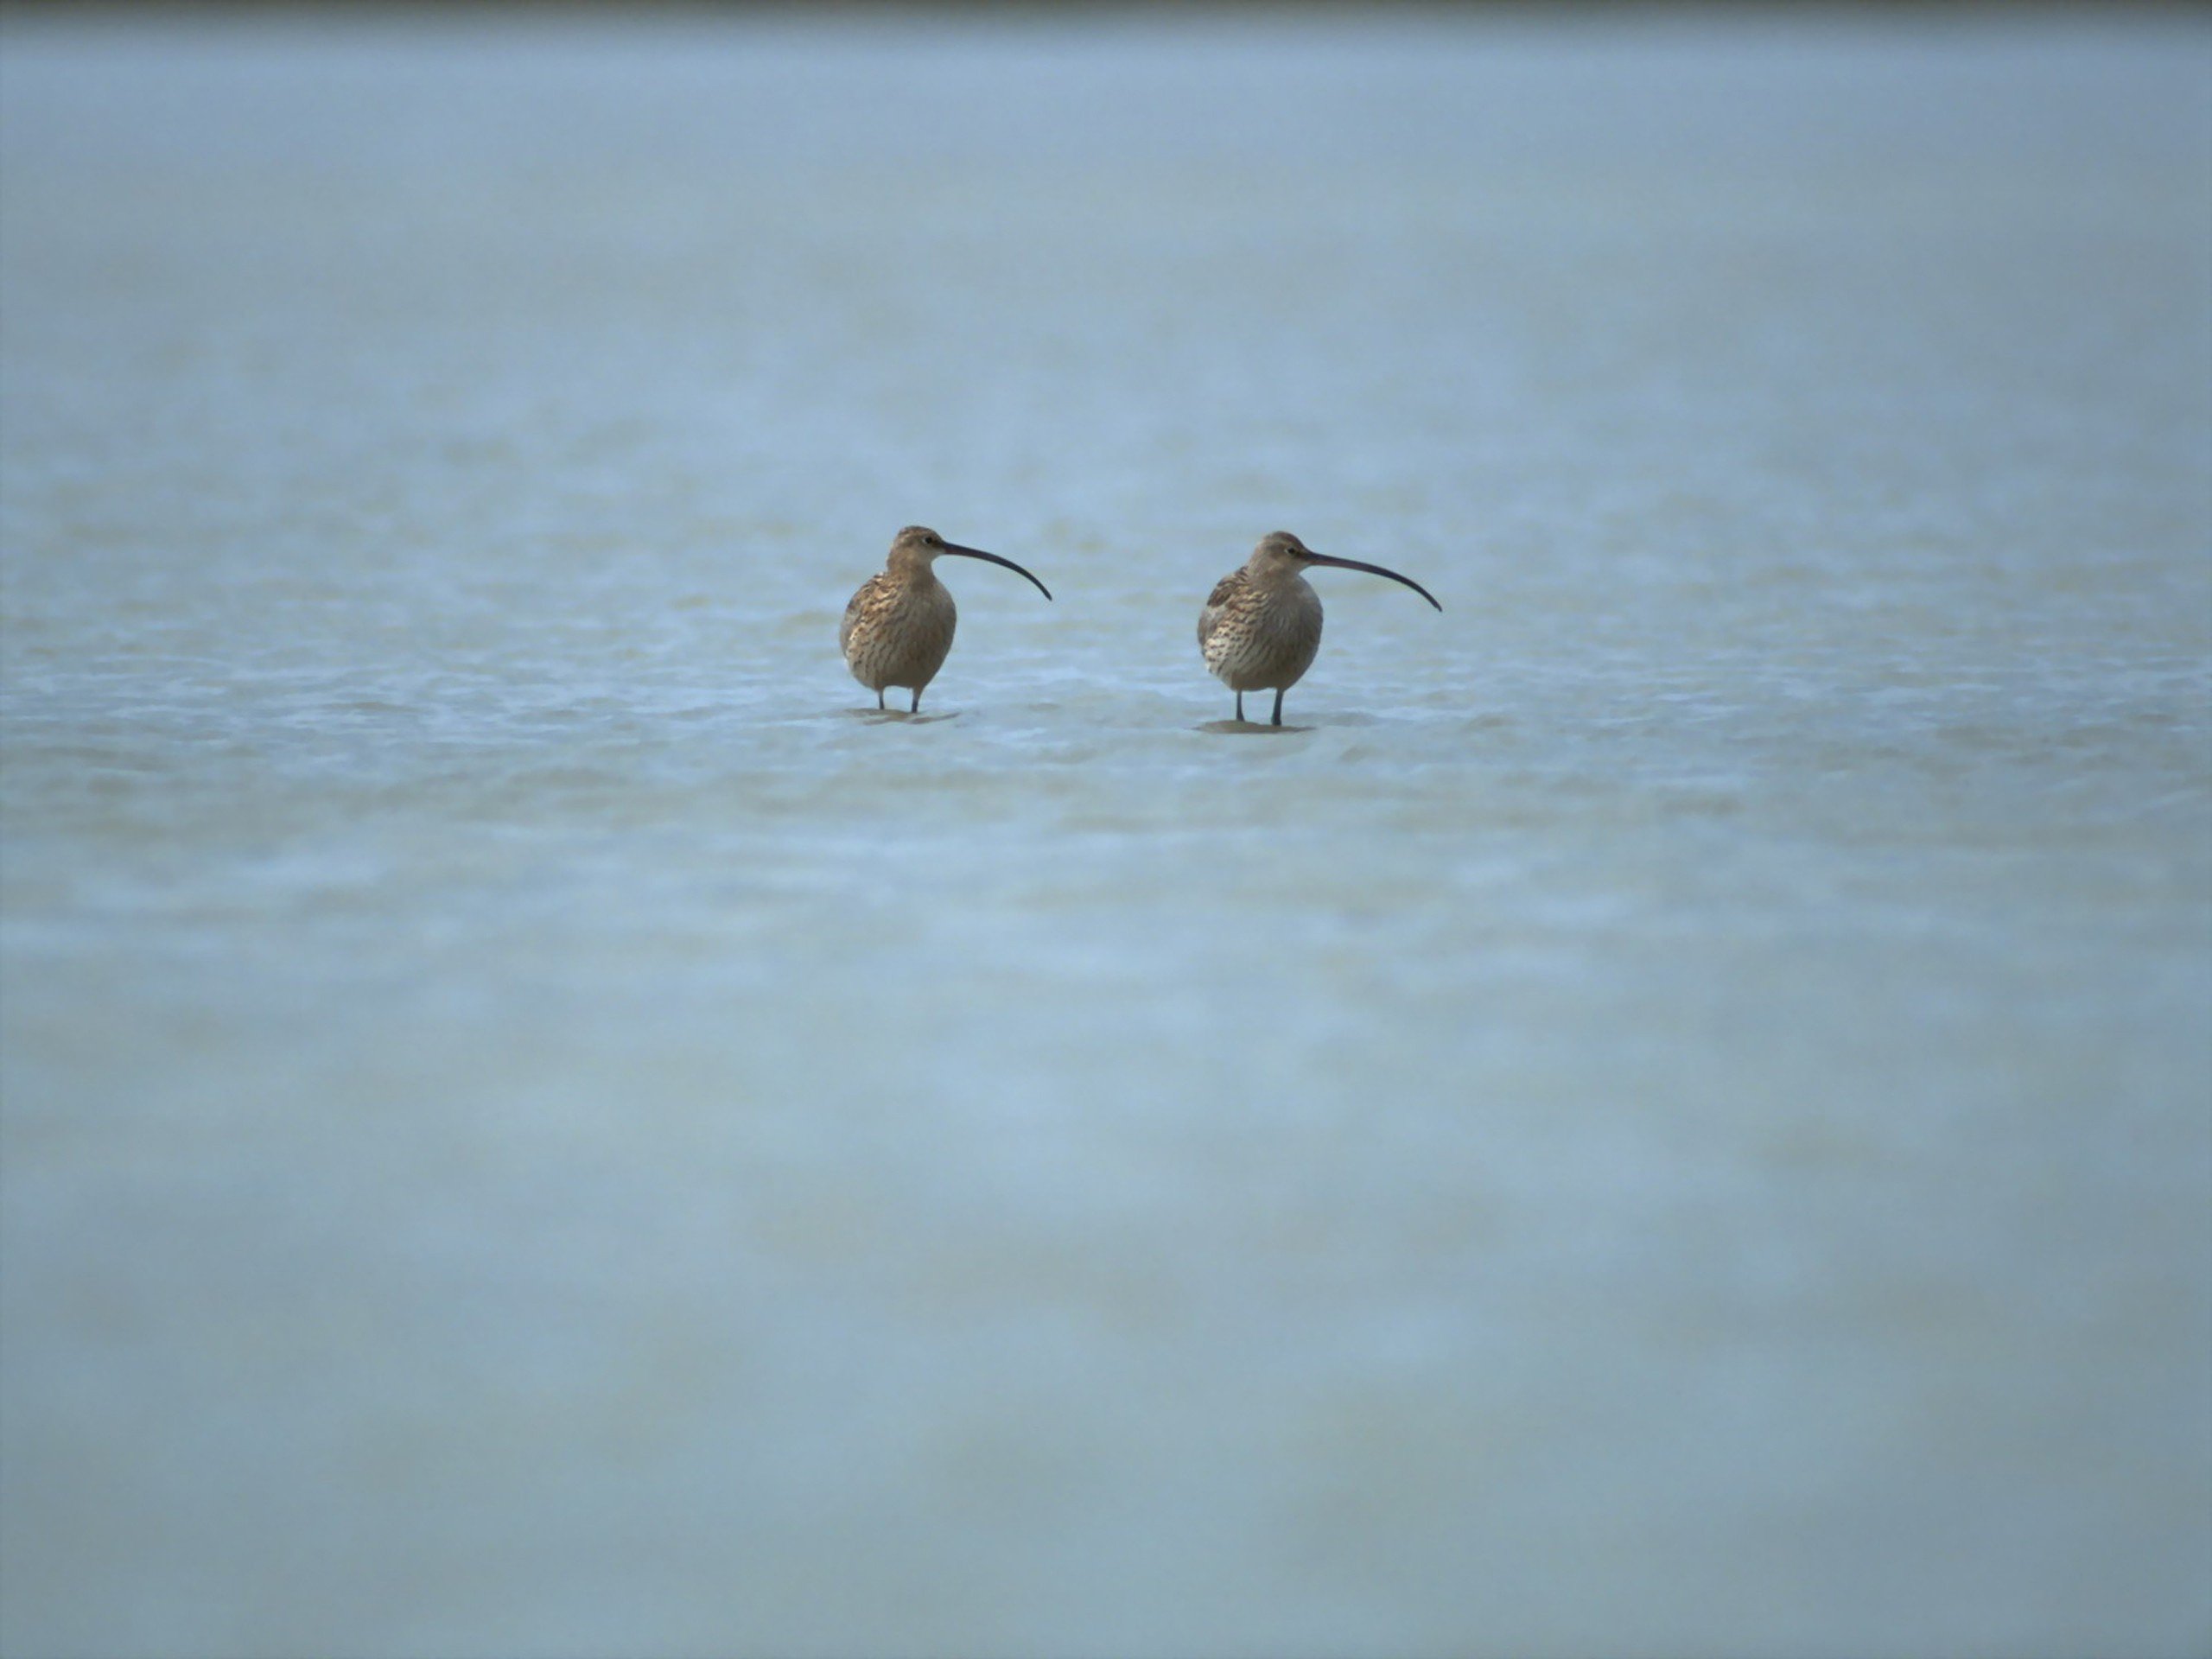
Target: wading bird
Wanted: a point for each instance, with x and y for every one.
(1263, 622)
(899, 627)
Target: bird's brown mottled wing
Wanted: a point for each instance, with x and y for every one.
(854, 606)
(1215, 600)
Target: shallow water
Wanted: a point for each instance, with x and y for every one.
(1668, 1112)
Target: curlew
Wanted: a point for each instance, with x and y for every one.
(899, 626)
(1263, 622)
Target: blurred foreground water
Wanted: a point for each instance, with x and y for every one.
(1673, 1115)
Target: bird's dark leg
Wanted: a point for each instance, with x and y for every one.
(915, 707)
(1277, 721)
(1240, 707)
(879, 697)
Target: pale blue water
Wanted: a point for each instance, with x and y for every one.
(1674, 1116)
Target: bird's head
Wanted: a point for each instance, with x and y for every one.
(918, 547)
(1281, 555)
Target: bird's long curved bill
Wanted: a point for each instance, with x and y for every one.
(1375, 570)
(978, 553)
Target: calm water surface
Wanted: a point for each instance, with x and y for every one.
(1672, 1113)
